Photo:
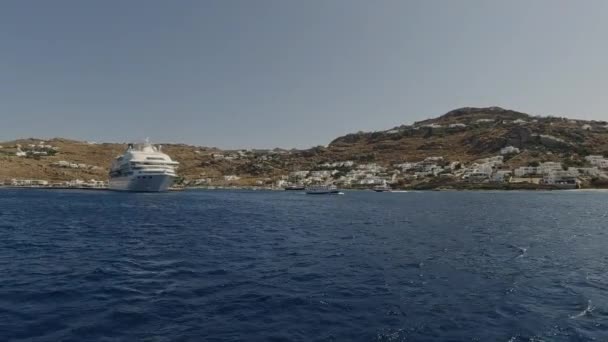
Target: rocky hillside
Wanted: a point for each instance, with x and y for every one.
(463, 134)
(471, 133)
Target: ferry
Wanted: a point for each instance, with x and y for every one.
(142, 168)
(322, 190)
(382, 188)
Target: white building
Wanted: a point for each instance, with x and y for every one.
(96, 184)
(509, 150)
(486, 168)
(591, 158)
(61, 163)
(501, 176)
(432, 159)
(75, 183)
(373, 181)
(432, 125)
(320, 174)
(202, 181)
(230, 178)
(406, 166)
(493, 161)
(299, 174)
(560, 178)
(347, 163)
(525, 171)
(457, 125)
(29, 182)
(597, 160)
(478, 176)
(371, 167)
(548, 167)
(588, 171)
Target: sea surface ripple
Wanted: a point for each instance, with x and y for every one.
(283, 266)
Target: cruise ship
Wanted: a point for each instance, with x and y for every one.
(142, 168)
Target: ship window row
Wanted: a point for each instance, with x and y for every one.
(156, 167)
(154, 164)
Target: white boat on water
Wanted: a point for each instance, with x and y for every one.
(142, 168)
(382, 188)
(322, 190)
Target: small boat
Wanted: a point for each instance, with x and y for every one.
(322, 190)
(294, 188)
(382, 188)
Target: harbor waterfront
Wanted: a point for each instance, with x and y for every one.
(270, 265)
(466, 148)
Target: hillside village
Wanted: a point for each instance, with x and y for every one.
(466, 148)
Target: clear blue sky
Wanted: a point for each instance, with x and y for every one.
(286, 73)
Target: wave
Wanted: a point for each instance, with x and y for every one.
(588, 310)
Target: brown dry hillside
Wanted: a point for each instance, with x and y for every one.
(463, 134)
(470, 133)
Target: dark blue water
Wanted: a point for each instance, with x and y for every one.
(282, 266)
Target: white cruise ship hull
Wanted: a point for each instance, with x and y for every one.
(151, 183)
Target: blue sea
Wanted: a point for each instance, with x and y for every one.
(284, 266)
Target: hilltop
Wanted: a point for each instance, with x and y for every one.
(471, 133)
(463, 135)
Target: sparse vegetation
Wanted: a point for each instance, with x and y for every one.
(472, 140)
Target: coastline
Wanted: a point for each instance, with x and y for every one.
(466, 188)
(66, 188)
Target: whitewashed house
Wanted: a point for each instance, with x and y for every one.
(372, 167)
(478, 176)
(523, 171)
(298, 174)
(406, 166)
(590, 171)
(548, 167)
(509, 150)
(320, 174)
(501, 176)
(433, 159)
(597, 160)
(373, 181)
(432, 125)
(493, 161)
(560, 178)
